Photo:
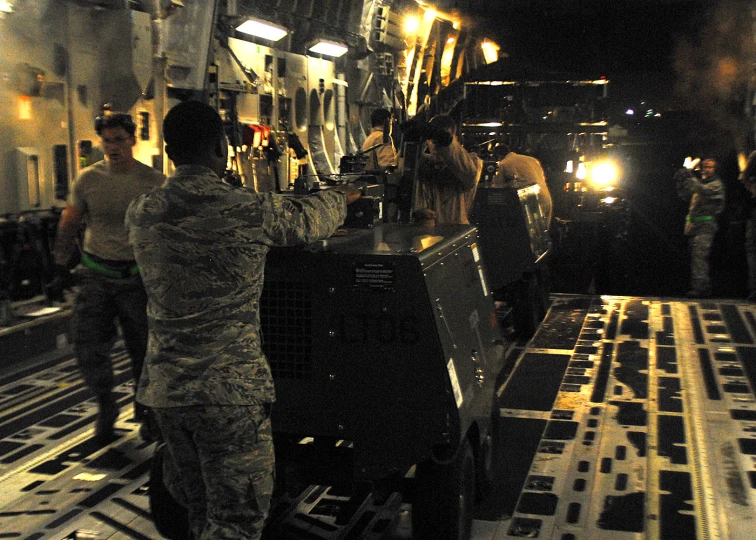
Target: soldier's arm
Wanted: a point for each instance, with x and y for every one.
(289, 221)
(465, 166)
(386, 155)
(682, 180)
(708, 190)
(68, 230)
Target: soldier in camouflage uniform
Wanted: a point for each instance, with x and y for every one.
(201, 246)
(109, 287)
(707, 200)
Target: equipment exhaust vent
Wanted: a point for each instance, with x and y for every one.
(286, 323)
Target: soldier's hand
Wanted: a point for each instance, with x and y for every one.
(60, 281)
(352, 194)
(690, 163)
(442, 138)
(64, 275)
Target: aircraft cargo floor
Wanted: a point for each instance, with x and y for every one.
(622, 418)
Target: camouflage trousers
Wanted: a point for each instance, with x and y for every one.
(220, 466)
(99, 303)
(700, 240)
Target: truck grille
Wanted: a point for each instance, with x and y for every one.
(286, 322)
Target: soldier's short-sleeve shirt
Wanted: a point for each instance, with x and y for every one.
(201, 246)
(382, 157)
(104, 195)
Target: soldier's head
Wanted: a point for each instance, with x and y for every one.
(379, 116)
(500, 151)
(442, 128)
(116, 131)
(708, 167)
(194, 135)
(444, 122)
(115, 120)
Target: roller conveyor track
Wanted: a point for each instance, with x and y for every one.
(623, 418)
(652, 432)
(54, 479)
(57, 483)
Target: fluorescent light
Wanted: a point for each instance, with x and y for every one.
(582, 171)
(411, 25)
(329, 48)
(490, 51)
(262, 29)
(24, 108)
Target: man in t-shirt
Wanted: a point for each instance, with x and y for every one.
(109, 287)
(382, 155)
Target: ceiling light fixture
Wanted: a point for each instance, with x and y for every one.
(329, 48)
(262, 29)
(490, 51)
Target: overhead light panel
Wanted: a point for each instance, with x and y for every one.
(329, 48)
(490, 51)
(411, 25)
(262, 29)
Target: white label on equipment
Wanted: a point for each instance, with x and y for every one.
(454, 382)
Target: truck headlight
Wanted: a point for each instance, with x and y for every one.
(604, 174)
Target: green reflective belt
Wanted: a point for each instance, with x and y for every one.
(699, 218)
(110, 272)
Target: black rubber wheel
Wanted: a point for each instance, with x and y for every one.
(526, 315)
(490, 457)
(170, 518)
(544, 292)
(444, 500)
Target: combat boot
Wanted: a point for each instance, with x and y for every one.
(148, 430)
(106, 416)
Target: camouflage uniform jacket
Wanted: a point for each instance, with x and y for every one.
(201, 246)
(708, 197)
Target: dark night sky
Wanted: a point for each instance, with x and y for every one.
(691, 60)
(675, 53)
